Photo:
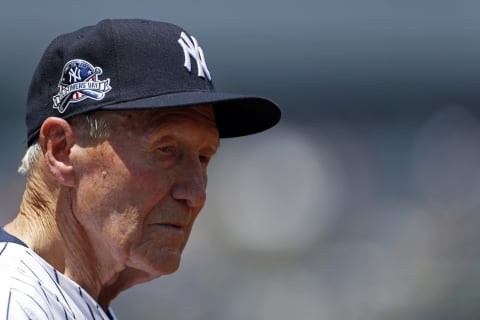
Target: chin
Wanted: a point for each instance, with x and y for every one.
(164, 264)
(155, 262)
(168, 265)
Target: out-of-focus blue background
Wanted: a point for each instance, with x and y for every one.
(362, 204)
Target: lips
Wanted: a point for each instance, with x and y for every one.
(172, 222)
(174, 227)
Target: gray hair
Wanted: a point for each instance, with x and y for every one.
(31, 156)
(97, 129)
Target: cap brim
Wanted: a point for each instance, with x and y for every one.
(236, 115)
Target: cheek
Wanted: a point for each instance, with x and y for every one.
(115, 199)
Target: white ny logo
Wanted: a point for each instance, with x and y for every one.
(75, 74)
(191, 49)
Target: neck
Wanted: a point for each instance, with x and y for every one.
(35, 224)
(48, 225)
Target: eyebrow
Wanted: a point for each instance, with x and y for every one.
(162, 121)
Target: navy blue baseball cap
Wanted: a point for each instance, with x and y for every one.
(128, 64)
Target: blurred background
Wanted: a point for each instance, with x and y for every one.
(361, 204)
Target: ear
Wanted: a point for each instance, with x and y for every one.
(56, 139)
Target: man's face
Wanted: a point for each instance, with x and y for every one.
(139, 191)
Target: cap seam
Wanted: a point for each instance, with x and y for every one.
(115, 52)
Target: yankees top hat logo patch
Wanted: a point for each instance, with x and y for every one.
(79, 81)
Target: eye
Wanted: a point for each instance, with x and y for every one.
(167, 149)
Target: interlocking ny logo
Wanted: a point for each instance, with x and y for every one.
(192, 49)
(75, 74)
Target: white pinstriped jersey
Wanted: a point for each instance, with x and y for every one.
(30, 288)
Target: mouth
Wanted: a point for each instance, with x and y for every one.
(170, 226)
(173, 226)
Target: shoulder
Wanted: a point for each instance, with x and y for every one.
(32, 289)
(16, 265)
(29, 286)
(20, 292)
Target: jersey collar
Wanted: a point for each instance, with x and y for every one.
(7, 237)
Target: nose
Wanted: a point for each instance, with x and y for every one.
(191, 183)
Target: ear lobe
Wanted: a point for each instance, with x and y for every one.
(56, 139)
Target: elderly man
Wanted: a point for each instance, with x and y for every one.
(122, 121)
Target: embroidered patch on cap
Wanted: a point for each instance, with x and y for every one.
(79, 81)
